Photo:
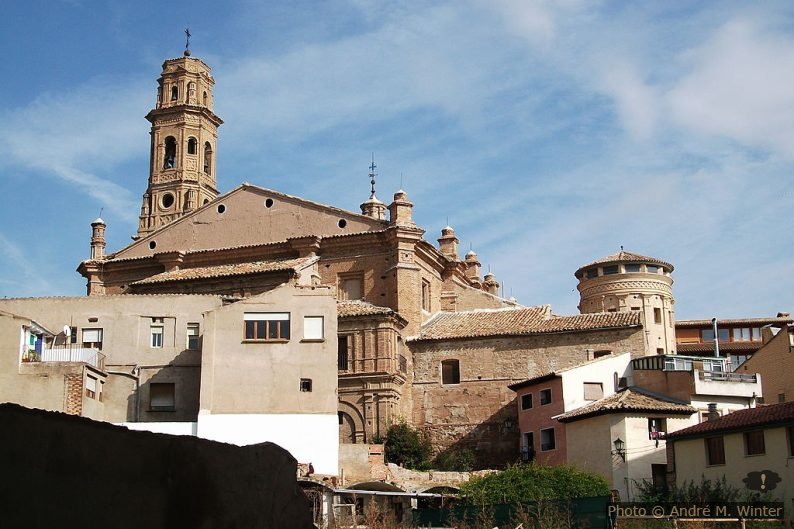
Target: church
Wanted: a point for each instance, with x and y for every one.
(419, 333)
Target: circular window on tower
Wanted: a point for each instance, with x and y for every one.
(167, 201)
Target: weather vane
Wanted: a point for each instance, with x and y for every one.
(372, 167)
(187, 42)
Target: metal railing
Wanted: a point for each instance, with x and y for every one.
(67, 353)
(728, 376)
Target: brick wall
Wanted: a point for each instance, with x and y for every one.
(472, 414)
(73, 393)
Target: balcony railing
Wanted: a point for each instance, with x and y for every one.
(728, 377)
(87, 355)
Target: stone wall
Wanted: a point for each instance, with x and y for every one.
(480, 412)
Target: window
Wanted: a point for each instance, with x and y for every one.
(526, 401)
(169, 160)
(426, 295)
(659, 475)
(592, 273)
(715, 451)
(156, 332)
(754, 443)
(341, 354)
(707, 335)
(193, 336)
(92, 338)
(267, 325)
(790, 434)
(545, 396)
(659, 350)
(781, 397)
(657, 315)
(651, 269)
(547, 441)
(632, 267)
(609, 270)
(450, 372)
(656, 427)
(161, 396)
(756, 333)
(72, 335)
(350, 288)
(593, 391)
(741, 334)
(313, 328)
(207, 158)
(192, 146)
(528, 448)
(306, 384)
(174, 93)
(90, 387)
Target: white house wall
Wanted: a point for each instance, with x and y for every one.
(310, 438)
(602, 370)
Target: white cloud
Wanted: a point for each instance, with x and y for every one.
(739, 87)
(78, 135)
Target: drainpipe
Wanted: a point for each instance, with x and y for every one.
(716, 338)
(136, 376)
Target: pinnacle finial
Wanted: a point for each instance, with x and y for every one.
(187, 42)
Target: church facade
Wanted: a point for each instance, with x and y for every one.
(399, 355)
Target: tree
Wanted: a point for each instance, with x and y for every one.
(527, 482)
(407, 446)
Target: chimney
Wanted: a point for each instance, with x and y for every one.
(98, 239)
(713, 414)
(490, 284)
(448, 243)
(400, 210)
(472, 266)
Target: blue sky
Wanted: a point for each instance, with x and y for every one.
(548, 133)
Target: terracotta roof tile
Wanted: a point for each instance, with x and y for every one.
(352, 308)
(512, 321)
(204, 272)
(630, 400)
(738, 321)
(626, 257)
(708, 347)
(741, 420)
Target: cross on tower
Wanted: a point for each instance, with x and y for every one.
(187, 41)
(372, 167)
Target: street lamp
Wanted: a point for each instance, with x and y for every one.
(620, 448)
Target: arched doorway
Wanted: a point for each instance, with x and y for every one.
(347, 428)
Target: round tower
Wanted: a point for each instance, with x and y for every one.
(625, 282)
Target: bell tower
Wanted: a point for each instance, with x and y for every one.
(183, 144)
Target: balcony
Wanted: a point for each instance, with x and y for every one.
(727, 384)
(65, 354)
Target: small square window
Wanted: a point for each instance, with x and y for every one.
(592, 273)
(593, 390)
(313, 328)
(545, 396)
(656, 428)
(161, 396)
(609, 270)
(306, 384)
(526, 401)
(632, 267)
